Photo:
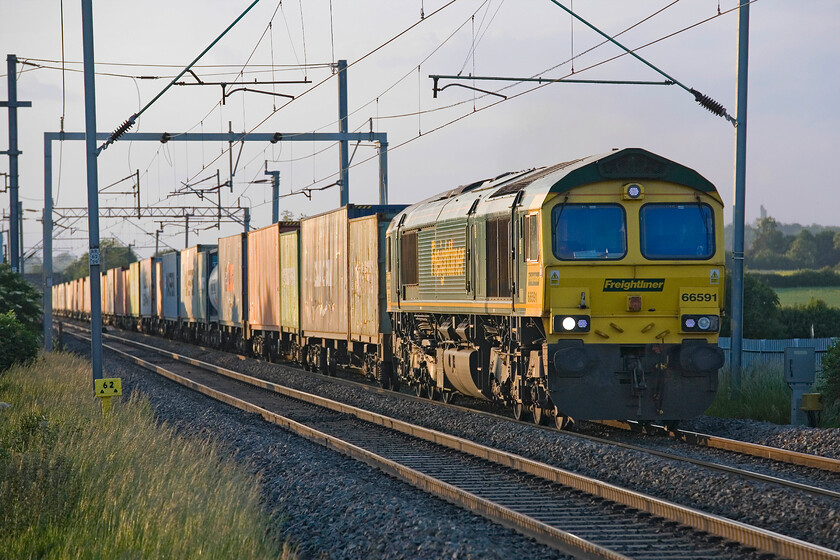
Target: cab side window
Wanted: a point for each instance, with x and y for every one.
(532, 237)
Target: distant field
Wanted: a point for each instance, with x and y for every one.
(801, 296)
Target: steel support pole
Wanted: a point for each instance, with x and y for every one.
(275, 195)
(247, 219)
(14, 220)
(735, 359)
(344, 145)
(48, 239)
(93, 190)
(383, 172)
(20, 240)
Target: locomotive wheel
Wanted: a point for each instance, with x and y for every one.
(447, 396)
(560, 421)
(518, 410)
(419, 389)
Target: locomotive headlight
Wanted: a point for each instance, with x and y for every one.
(570, 323)
(700, 323)
(633, 191)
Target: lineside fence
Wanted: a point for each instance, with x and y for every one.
(771, 351)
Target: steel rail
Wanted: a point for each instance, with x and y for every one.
(742, 533)
(562, 540)
(744, 473)
(747, 448)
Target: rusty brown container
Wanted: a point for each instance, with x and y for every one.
(134, 289)
(126, 291)
(325, 278)
(266, 284)
(325, 307)
(368, 313)
(232, 268)
(86, 296)
(108, 279)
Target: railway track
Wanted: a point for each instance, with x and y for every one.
(570, 512)
(743, 447)
(771, 454)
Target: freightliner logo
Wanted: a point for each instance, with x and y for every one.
(634, 284)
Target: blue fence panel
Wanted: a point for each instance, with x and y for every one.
(771, 351)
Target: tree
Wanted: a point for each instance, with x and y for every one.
(803, 250)
(828, 253)
(762, 318)
(112, 254)
(769, 238)
(20, 297)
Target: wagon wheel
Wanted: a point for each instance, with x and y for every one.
(537, 414)
(431, 391)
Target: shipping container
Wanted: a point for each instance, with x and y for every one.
(289, 281)
(324, 261)
(368, 310)
(268, 290)
(134, 289)
(126, 292)
(197, 263)
(119, 290)
(233, 266)
(147, 287)
(86, 296)
(157, 276)
(171, 285)
(107, 293)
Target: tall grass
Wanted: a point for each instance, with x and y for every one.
(76, 485)
(764, 395)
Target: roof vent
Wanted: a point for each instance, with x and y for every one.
(632, 165)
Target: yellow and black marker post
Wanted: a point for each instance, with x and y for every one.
(105, 389)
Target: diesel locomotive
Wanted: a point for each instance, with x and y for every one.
(590, 289)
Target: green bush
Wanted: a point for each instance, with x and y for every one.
(17, 344)
(798, 319)
(18, 295)
(801, 279)
(829, 381)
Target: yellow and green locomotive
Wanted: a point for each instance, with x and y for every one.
(591, 289)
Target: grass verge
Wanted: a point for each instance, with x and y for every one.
(76, 485)
(764, 396)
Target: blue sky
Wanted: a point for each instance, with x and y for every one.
(793, 125)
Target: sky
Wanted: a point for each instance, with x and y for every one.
(435, 144)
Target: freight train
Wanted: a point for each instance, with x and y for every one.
(591, 289)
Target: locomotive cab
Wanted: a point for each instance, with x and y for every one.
(633, 286)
